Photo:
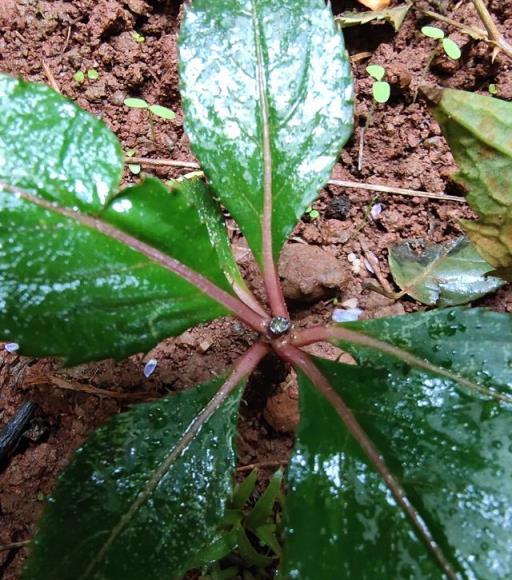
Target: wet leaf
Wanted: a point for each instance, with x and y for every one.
(452, 454)
(442, 274)
(65, 288)
(249, 67)
(139, 501)
(479, 132)
(395, 17)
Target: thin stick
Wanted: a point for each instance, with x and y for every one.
(328, 333)
(233, 304)
(262, 464)
(492, 30)
(14, 545)
(475, 33)
(339, 182)
(49, 75)
(162, 162)
(394, 190)
(242, 369)
(302, 361)
(89, 389)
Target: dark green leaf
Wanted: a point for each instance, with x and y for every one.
(267, 536)
(474, 343)
(139, 500)
(65, 288)
(251, 66)
(395, 17)
(218, 549)
(478, 129)
(244, 490)
(452, 454)
(442, 274)
(263, 508)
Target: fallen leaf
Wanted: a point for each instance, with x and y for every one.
(442, 274)
(394, 16)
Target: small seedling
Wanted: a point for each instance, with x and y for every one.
(381, 92)
(92, 75)
(493, 89)
(449, 46)
(381, 89)
(139, 39)
(313, 214)
(133, 167)
(153, 111)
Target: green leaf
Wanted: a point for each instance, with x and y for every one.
(92, 74)
(473, 343)
(376, 71)
(381, 91)
(478, 130)
(442, 274)
(135, 103)
(433, 32)
(395, 17)
(451, 48)
(119, 509)
(79, 76)
(244, 490)
(265, 65)
(162, 112)
(66, 289)
(263, 508)
(451, 453)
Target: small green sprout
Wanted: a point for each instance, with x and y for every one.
(137, 37)
(380, 88)
(79, 77)
(92, 74)
(450, 47)
(493, 89)
(313, 214)
(153, 110)
(133, 167)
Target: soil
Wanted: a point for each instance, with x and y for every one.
(403, 148)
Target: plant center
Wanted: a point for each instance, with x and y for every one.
(279, 326)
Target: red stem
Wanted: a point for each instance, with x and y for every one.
(302, 361)
(242, 311)
(270, 274)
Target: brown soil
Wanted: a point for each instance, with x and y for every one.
(403, 147)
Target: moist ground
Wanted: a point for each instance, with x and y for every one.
(403, 148)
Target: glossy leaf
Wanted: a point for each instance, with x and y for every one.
(474, 343)
(65, 288)
(452, 454)
(478, 129)
(442, 274)
(395, 16)
(138, 501)
(248, 66)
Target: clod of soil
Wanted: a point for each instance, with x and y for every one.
(309, 273)
(282, 409)
(338, 208)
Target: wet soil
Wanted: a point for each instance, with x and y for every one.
(403, 147)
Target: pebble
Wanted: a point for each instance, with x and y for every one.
(150, 367)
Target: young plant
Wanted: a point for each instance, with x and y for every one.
(401, 466)
(152, 111)
(381, 92)
(449, 46)
(92, 75)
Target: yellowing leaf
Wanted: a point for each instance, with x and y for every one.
(479, 131)
(395, 17)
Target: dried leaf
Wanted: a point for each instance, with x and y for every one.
(394, 16)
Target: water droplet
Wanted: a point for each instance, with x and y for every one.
(497, 444)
